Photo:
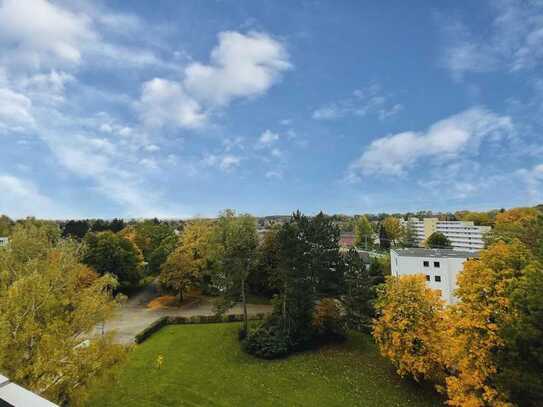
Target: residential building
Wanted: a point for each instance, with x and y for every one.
(12, 395)
(439, 266)
(3, 241)
(346, 240)
(463, 235)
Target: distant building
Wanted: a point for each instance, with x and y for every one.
(12, 395)
(463, 235)
(3, 241)
(439, 266)
(346, 240)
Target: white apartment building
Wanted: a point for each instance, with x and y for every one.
(12, 395)
(3, 241)
(463, 235)
(440, 266)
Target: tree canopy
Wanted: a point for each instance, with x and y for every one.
(49, 305)
(438, 240)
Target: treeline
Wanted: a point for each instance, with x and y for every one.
(486, 350)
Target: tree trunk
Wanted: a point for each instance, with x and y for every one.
(180, 296)
(244, 301)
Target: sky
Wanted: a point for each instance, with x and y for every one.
(179, 109)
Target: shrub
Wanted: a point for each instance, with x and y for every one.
(151, 329)
(268, 341)
(328, 321)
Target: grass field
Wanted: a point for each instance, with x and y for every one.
(204, 366)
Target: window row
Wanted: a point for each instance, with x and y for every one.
(437, 279)
(426, 263)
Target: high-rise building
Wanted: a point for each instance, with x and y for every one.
(463, 235)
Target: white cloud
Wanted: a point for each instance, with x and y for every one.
(533, 179)
(15, 110)
(514, 41)
(165, 102)
(268, 137)
(445, 139)
(225, 162)
(240, 66)
(21, 198)
(43, 32)
(371, 100)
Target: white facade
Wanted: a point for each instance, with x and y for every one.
(3, 241)
(463, 235)
(439, 266)
(17, 396)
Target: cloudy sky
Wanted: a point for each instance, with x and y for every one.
(183, 108)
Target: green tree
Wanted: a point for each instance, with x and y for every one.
(76, 229)
(49, 305)
(234, 243)
(363, 233)
(108, 253)
(160, 254)
(438, 240)
(521, 359)
(267, 261)
(293, 279)
(149, 234)
(6, 224)
(361, 283)
(326, 264)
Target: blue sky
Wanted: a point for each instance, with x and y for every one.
(178, 109)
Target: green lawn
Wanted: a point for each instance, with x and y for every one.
(204, 366)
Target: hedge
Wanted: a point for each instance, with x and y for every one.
(197, 319)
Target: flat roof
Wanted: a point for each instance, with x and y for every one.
(422, 252)
(17, 396)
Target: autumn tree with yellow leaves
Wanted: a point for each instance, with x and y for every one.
(409, 326)
(477, 324)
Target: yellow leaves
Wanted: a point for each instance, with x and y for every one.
(408, 329)
(516, 215)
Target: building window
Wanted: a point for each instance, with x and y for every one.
(427, 277)
(426, 263)
(437, 278)
(436, 264)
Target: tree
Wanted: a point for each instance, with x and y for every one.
(438, 240)
(361, 284)
(394, 229)
(234, 242)
(521, 359)
(478, 218)
(384, 241)
(267, 261)
(409, 328)
(363, 233)
(49, 306)
(149, 234)
(76, 229)
(6, 224)
(293, 279)
(326, 264)
(160, 254)
(476, 323)
(186, 264)
(108, 253)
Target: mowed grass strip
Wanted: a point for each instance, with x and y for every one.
(204, 366)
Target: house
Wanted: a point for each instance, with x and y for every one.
(346, 240)
(439, 266)
(463, 235)
(12, 395)
(3, 241)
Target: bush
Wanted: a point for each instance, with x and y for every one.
(151, 329)
(328, 321)
(268, 341)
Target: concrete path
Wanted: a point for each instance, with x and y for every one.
(134, 316)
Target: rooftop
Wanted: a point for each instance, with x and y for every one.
(422, 252)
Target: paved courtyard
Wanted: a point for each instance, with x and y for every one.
(133, 316)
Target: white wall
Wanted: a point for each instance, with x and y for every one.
(448, 270)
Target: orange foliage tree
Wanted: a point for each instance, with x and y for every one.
(475, 323)
(408, 329)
